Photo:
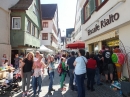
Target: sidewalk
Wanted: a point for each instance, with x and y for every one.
(100, 91)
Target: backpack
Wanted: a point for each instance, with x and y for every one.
(59, 68)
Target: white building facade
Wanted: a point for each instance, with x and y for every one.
(77, 34)
(5, 47)
(49, 34)
(106, 22)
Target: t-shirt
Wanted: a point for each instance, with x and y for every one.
(91, 63)
(16, 61)
(52, 67)
(28, 65)
(80, 67)
(107, 56)
(70, 62)
(9, 76)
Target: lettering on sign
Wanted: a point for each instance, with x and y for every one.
(112, 18)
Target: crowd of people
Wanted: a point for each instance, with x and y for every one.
(79, 66)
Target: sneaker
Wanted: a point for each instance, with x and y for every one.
(52, 89)
(49, 93)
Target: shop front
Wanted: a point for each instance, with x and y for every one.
(111, 29)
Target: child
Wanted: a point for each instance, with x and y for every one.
(9, 78)
(16, 59)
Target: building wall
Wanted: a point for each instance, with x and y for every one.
(78, 32)
(124, 36)
(102, 14)
(120, 27)
(5, 47)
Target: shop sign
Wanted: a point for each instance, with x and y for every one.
(103, 23)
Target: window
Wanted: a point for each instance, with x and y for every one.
(44, 36)
(45, 24)
(29, 26)
(100, 2)
(33, 30)
(16, 22)
(35, 10)
(36, 32)
(87, 13)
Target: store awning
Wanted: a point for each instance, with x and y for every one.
(102, 37)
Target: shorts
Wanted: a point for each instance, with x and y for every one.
(110, 69)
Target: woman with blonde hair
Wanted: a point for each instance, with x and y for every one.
(26, 66)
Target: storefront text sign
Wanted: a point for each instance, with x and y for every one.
(103, 23)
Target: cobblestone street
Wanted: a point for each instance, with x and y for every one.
(100, 91)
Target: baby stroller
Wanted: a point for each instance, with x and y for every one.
(13, 87)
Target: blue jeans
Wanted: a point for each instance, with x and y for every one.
(37, 82)
(16, 66)
(97, 76)
(80, 85)
(51, 80)
(71, 71)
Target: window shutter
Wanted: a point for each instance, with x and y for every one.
(92, 6)
(82, 16)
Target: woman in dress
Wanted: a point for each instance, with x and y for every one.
(26, 66)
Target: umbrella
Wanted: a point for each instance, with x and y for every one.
(76, 44)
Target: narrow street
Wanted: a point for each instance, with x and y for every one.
(100, 91)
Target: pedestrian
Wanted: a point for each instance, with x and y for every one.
(80, 70)
(63, 73)
(51, 73)
(37, 54)
(38, 67)
(20, 66)
(87, 55)
(3, 59)
(6, 63)
(70, 63)
(27, 68)
(91, 69)
(97, 74)
(100, 58)
(48, 60)
(108, 65)
(16, 61)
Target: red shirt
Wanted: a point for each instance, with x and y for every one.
(91, 63)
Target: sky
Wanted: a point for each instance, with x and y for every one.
(66, 11)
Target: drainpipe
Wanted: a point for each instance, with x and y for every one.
(106, 12)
